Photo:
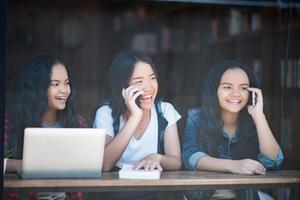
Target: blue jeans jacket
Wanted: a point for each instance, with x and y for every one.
(244, 144)
(197, 144)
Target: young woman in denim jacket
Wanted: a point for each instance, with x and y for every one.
(136, 133)
(44, 96)
(226, 134)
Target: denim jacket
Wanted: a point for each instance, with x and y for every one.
(243, 144)
(197, 143)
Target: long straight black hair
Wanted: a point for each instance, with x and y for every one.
(29, 100)
(210, 102)
(119, 75)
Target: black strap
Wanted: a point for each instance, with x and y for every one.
(162, 124)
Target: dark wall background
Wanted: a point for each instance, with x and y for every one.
(183, 39)
(3, 23)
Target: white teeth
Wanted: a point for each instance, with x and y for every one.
(147, 97)
(62, 98)
(234, 101)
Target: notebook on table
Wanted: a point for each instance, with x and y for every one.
(62, 153)
(127, 172)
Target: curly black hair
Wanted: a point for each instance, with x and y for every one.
(29, 100)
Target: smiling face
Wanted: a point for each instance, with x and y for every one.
(59, 88)
(232, 90)
(144, 77)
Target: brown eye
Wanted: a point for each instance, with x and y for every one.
(138, 82)
(53, 84)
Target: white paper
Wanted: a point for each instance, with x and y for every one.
(127, 172)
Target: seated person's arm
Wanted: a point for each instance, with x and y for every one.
(271, 155)
(114, 144)
(244, 166)
(271, 164)
(114, 147)
(170, 160)
(192, 150)
(194, 156)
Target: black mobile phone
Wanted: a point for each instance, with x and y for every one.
(252, 98)
(137, 100)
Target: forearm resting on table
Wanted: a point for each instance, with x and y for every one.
(170, 162)
(208, 163)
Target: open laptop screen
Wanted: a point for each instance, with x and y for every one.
(63, 152)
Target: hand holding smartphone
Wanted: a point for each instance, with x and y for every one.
(252, 98)
(137, 100)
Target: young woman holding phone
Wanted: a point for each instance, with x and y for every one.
(227, 134)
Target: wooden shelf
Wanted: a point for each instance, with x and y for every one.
(291, 91)
(240, 37)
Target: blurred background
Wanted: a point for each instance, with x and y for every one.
(183, 37)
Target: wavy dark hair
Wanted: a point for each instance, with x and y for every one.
(210, 102)
(29, 100)
(119, 75)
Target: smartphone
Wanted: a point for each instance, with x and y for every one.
(137, 100)
(252, 98)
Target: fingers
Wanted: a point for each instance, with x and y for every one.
(256, 110)
(138, 165)
(131, 91)
(259, 169)
(256, 90)
(148, 165)
(258, 93)
(252, 167)
(130, 94)
(159, 167)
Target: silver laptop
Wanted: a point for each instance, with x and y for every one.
(63, 153)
